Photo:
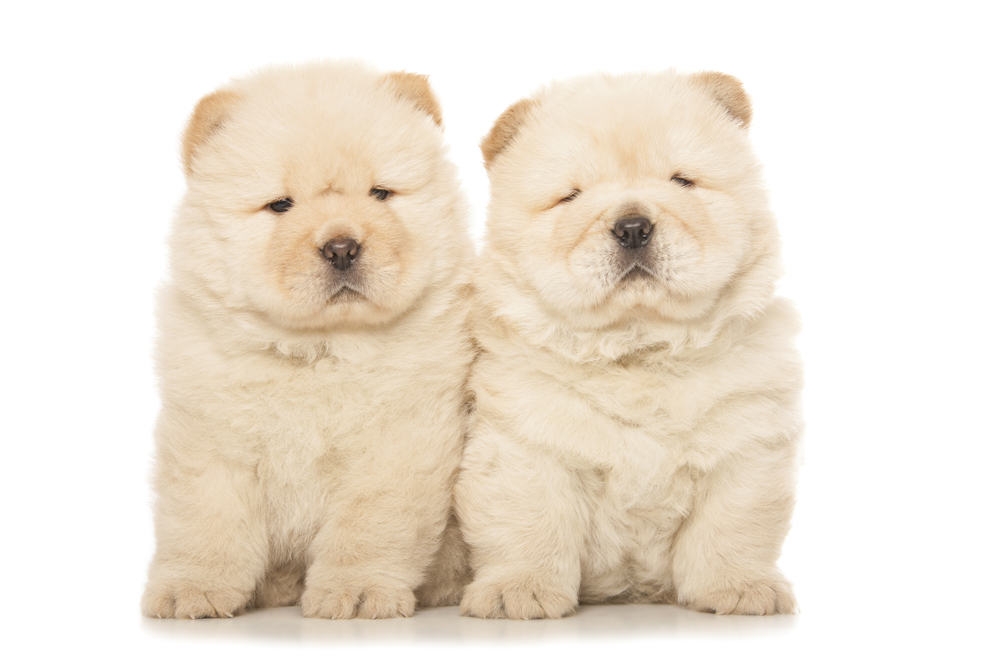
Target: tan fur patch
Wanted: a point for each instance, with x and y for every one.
(417, 89)
(208, 116)
(729, 92)
(505, 129)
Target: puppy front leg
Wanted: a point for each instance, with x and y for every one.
(725, 554)
(524, 520)
(378, 540)
(211, 541)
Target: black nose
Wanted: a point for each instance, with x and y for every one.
(341, 252)
(633, 232)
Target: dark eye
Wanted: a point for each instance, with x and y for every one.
(380, 194)
(685, 183)
(281, 205)
(569, 197)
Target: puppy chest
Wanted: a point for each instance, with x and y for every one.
(296, 470)
(298, 413)
(301, 435)
(633, 521)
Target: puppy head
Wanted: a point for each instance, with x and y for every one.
(616, 198)
(321, 195)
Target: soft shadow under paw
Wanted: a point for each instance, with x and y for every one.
(439, 596)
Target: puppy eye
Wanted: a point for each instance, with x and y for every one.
(684, 183)
(380, 194)
(281, 205)
(569, 198)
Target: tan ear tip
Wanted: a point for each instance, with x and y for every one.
(730, 93)
(206, 119)
(506, 129)
(416, 88)
(490, 148)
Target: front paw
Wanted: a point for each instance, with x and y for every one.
(343, 600)
(520, 598)
(185, 599)
(759, 598)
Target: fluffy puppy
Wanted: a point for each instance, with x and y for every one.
(637, 390)
(313, 351)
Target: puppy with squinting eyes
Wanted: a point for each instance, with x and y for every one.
(313, 352)
(637, 392)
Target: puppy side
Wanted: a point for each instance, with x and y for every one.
(313, 352)
(637, 393)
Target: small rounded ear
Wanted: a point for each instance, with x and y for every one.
(208, 117)
(505, 129)
(727, 91)
(416, 88)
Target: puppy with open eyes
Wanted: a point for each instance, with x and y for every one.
(637, 392)
(313, 352)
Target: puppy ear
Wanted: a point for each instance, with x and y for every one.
(505, 129)
(416, 88)
(208, 117)
(727, 91)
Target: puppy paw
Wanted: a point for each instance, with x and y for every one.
(761, 598)
(189, 600)
(346, 601)
(523, 599)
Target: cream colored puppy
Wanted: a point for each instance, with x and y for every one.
(313, 351)
(637, 390)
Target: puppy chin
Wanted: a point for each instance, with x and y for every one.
(635, 296)
(328, 307)
(346, 294)
(345, 310)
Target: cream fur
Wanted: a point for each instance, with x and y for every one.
(635, 440)
(309, 438)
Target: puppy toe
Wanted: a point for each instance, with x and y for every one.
(190, 601)
(346, 601)
(517, 599)
(760, 598)
(379, 602)
(340, 603)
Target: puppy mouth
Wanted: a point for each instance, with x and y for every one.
(345, 293)
(636, 272)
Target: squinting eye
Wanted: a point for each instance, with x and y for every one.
(380, 194)
(685, 183)
(570, 197)
(281, 205)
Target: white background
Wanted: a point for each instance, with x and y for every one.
(877, 126)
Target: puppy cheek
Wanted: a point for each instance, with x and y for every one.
(242, 250)
(391, 256)
(591, 267)
(294, 262)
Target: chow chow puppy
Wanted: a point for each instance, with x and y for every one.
(313, 352)
(637, 388)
